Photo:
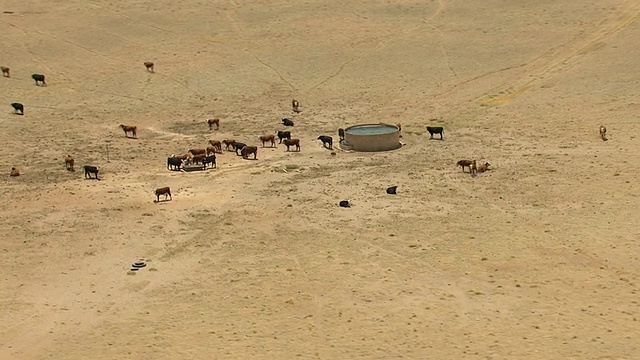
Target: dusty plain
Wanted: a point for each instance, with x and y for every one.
(535, 259)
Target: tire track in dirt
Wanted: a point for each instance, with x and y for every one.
(240, 32)
(562, 57)
(380, 46)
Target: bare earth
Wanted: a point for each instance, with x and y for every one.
(535, 259)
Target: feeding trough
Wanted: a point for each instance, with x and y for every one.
(193, 167)
(371, 137)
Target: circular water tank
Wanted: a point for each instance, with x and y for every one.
(371, 137)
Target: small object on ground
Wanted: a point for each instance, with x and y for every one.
(392, 190)
(139, 264)
(345, 204)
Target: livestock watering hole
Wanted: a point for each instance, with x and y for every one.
(371, 138)
(532, 259)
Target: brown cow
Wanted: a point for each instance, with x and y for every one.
(197, 159)
(166, 191)
(14, 172)
(197, 151)
(464, 163)
(248, 150)
(129, 129)
(268, 138)
(603, 133)
(228, 144)
(211, 150)
(212, 122)
(292, 142)
(5, 71)
(483, 167)
(68, 163)
(295, 106)
(216, 144)
(149, 66)
(182, 157)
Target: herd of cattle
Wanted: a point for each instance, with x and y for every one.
(205, 157)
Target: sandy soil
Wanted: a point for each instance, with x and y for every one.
(536, 259)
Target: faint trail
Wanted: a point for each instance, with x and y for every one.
(131, 19)
(240, 32)
(380, 46)
(564, 56)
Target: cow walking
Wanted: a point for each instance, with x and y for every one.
(89, 169)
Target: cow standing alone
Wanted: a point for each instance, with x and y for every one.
(39, 78)
(89, 169)
(166, 191)
(18, 107)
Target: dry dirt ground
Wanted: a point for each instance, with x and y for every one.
(536, 259)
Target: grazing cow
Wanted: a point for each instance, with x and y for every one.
(268, 138)
(464, 163)
(129, 129)
(341, 134)
(474, 168)
(68, 163)
(149, 66)
(435, 130)
(238, 146)
(283, 135)
(166, 191)
(89, 169)
(392, 190)
(295, 106)
(38, 78)
(228, 144)
(174, 163)
(14, 172)
(287, 122)
(292, 142)
(197, 151)
(211, 159)
(216, 144)
(248, 150)
(18, 107)
(483, 167)
(5, 71)
(345, 204)
(327, 141)
(603, 133)
(212, 122)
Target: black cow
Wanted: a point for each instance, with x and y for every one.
(345, 203)
(392, 190)
(435, 130)
(341, 134)
(283, 135)
(174, 163)
(211, 159)
(38, 78)
(287, 122)
(88, 170)
(18, 107)
(238, 146)
(326, 140)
